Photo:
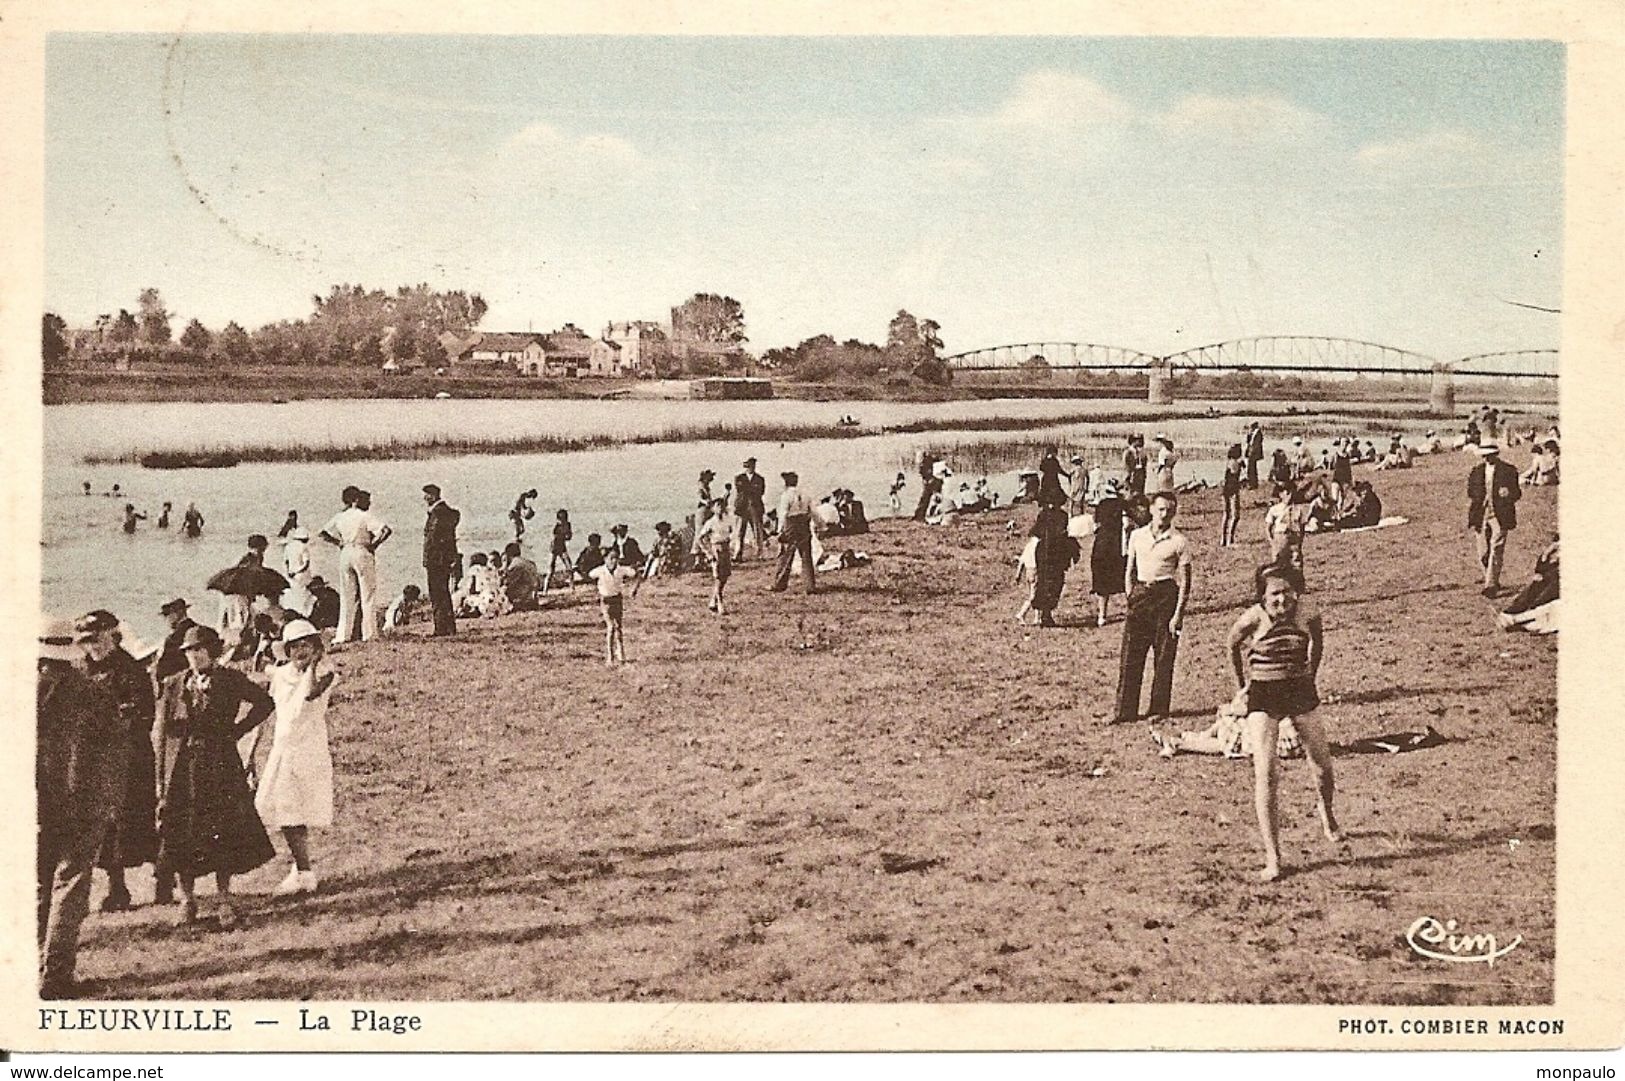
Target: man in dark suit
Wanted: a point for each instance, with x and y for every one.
(750, 505)
(439, 557)
(1492, 511)
(80, 758)
(1254, 452)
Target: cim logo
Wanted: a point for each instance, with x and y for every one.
(1438, 940)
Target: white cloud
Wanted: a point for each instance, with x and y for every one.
(1434, 149)
(1071, 116)
(1256, 119)
(1057, 100)
(540, 148)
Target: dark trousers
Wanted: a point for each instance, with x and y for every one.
(1252, 472)
(445, 619)
(1150, 607)
(927, 490)
(795, 536)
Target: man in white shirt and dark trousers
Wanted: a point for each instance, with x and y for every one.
(795, 536)
(358, 533)
(1157, 577)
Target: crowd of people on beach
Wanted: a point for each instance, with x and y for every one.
(152, 756)
(155, 757)
(1126, 517)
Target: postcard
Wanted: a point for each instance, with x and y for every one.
(838, 527)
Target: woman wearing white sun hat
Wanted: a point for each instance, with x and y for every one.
(296, 787)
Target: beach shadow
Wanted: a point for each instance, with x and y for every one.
(1429, 845)
(1437, 587)
(384, 948)
(1379, 695)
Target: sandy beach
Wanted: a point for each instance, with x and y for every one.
(891, 792)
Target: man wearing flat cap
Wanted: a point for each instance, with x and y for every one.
(440, 557)
(79, 776)
(750, 506)
(795, 535)
(1492, 511)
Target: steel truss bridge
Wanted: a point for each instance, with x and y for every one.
(1294, 353)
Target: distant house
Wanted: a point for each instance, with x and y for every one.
(502, 350)
(605, 359)
(643, 346)
(566, 352)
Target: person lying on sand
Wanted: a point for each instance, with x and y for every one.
(1225, 737)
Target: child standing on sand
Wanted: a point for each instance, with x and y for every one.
(296, 791)
(562, 534)
(716, 536)
(611, 578)
(895, 496)
(1275, 654)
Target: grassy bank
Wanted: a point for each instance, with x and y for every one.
(565, 832)
(444, 445)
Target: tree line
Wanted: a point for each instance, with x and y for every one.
(354, 325)
(913, 348)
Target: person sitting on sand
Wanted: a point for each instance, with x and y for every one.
(938, 512)
(1534, 608)
(666, 554)
(1543, 468)
(1362, 510)
(826, 517)
(473, 592)
(854, 520)
(1275, 648)
(403, 609)
(1303, 461)
(521, 581)
(324, 604)
(969, 502)
(1280, 468)
(590, 558)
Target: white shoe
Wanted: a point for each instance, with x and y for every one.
(294, 883)
(308, 881)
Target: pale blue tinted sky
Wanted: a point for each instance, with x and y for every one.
(1154, 193)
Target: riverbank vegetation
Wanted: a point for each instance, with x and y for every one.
(447, 445)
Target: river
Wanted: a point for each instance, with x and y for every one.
(88, 562)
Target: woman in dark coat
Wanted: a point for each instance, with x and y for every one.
(206, 818)
(1056, 554)
(1050, 491)
(133, 838)
(1106, 562)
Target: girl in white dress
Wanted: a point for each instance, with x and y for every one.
(296, 787)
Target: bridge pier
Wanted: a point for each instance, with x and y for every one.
(1160, 383)
(1442, 394)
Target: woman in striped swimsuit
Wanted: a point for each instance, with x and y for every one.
(1275, 652)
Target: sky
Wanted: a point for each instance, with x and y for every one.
(1152, 193)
